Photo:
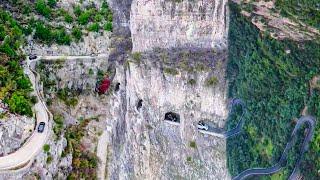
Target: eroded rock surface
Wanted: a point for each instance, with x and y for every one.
(170, 23)
(14, 130)
(144, 146)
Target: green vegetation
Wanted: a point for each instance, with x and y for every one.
(43, 33)
(46, 148)
(84, 162)
(189, 159)
(19, 104)
(49, 35)
(108, 26)
(14, 85)
(78, 19)
(91, 71)
(49, 159)
(61, 37)
(94, 27)
(83, 19)
(275, 88)
(52, 3)
(58, 126)
(137, 57)
(68, 96)
(304, 10)
(171, 71)
(192, 82)
(77, 34)
(68, 18)
(212, 81)
(42, 8)
(193, 144)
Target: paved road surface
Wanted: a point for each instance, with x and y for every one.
(35, 143)
(308, 120)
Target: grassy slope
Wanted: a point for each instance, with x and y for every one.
(275, 87)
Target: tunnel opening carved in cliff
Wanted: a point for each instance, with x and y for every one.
(171, 116)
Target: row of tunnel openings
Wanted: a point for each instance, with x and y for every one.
(169, 116)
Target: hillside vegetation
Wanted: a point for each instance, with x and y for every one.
(307, 11)
(272, 77)
(53, 24)
(14, 85)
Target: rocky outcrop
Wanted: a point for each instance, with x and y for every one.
(143, 145)
(138, 143)
(170, 23)
(14, 130)
(267, 18)
(91, 44)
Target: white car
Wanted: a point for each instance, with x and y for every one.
(202, 126)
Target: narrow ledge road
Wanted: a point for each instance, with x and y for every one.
(25, 155)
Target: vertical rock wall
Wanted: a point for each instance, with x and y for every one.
(144, 146)
(185, 23)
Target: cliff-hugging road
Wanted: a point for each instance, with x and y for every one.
(33, 146)
(25, 155)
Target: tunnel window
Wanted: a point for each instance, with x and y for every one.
(117, 87)
(139, 104)
(171, 116)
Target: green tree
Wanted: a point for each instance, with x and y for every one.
(43, 33)
(77, 10)
(42, 8)
(24, 83)
(108, 26)
(76, 33)
(84, 17)
(68, 18)
(46, 148)
(19, 104)
(52, 3)
(61, 37)
(94, 27)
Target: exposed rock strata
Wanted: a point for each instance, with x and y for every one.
(169, 23)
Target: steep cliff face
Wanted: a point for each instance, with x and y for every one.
(185, 77)
(170, 23)
(140, 143)
(144, 146)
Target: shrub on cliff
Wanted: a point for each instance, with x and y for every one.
(42, 8)
(19, 104)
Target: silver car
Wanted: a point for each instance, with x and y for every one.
(202, 126)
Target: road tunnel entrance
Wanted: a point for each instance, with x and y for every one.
(171, 116)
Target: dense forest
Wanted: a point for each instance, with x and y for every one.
(274, 79)
(306, 11)
(53, 24)
(14, 85)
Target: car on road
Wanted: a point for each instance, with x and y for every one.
(202, 126)
(41, 127)
(32, 56)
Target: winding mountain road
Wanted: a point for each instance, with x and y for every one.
(33, 146)
(308, 120)
(25, 155)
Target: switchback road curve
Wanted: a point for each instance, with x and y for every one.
(304, 120)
